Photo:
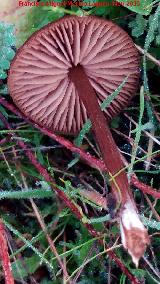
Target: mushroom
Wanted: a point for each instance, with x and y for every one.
(64, 71)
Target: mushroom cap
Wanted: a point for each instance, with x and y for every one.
(39, 82)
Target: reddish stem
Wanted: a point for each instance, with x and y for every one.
(5, 256)
(3, 141)
(144, 187)
(108, 148)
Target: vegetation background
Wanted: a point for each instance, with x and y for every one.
(47, 243)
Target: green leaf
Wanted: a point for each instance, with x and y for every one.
(143, 7)
(100, 219)
(73, 162)
(3, 111)
(7, 40)
(38, 193)
(147, 126)
(4, 63)
(106, 103)
(28, 243)
(37, 141)
(22, 269)
(138, 132)
(4, 90)
(158, 39)
(152, 28)
(3, 74)
(139, 273)
(138, 25)
(150, 223)
(149, 38)
(86, 128)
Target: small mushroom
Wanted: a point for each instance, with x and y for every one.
(64, 71)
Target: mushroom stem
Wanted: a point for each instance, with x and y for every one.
(108, 148)
(133, 233)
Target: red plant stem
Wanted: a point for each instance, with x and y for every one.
(43, 172)
(108, 148)
(4, 255)
(94, 162)
(3, 141)
(144, 187)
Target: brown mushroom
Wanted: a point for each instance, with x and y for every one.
(64, 71)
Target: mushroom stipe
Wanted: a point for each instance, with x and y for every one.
(58, 79)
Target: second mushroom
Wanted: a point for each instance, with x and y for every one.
(59, 78)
